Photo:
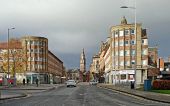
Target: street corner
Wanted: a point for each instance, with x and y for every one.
(12, 96)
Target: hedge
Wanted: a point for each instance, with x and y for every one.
(161, 84)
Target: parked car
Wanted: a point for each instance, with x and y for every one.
(93, 82)
(70, 83)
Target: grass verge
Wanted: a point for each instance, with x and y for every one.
(161, 91)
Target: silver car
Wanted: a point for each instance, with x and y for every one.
(71, 83)
(93, 82)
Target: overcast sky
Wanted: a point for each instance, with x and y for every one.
(71, 25)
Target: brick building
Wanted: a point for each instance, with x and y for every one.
(126, 57)
(38, 61)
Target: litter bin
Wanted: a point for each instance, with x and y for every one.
(132, 84)
(147, 85)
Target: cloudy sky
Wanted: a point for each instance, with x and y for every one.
(71, 25)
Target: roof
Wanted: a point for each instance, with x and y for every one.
(33, 37)
(54, 56)
(13, 44)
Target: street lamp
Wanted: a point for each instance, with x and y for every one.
(135, 32)
(8, 49)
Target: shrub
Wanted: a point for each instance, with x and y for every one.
(161, 84)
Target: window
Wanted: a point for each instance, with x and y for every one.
(116, 33)
(131, 76)
(113, 44)
(121, 33)
(35, 42)
(116, 43)
(31, 42)
(127, 63)
(144, 52)
(121, 53)
(27, 42)
(132, 42)
(126, 52)
(132, 31)
(40, 43)
(33, 67)
(133, 62)
(121, 43)
(122, 63)
(40, 50)
(143, 41)
(40, 59)
(126, 32)
(116, 53)
(28, 58)
(144, 62)
(35, 50)
(32, 58)
(126, 42)
(116, 63)
(123, 76)
(133, 52)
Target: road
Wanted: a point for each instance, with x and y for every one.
(82, 95)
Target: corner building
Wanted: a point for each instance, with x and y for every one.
(36, 49)
(35, 60)
(129, 53)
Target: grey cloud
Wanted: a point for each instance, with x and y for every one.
(71, 25)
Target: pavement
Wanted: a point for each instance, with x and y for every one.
(10, 92)
(143, 94)
(81, 95)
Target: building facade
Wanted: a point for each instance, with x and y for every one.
(55, 68)
(129, 53)
(36, 49)
(37, 60)
(95, 66)
(108, 62)
(16, 61)
(73, 74)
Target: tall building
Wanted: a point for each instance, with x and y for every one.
(82, 65)
(29, 58)
(36, 49)
(129, 53)
(82, 62)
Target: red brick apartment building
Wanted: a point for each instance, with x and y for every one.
(36, 61)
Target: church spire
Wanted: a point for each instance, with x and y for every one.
(82, 62)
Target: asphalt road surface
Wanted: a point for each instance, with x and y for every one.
(82, 95)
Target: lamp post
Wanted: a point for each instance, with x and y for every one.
(135, 32)
(14, 63)
(8, 49)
